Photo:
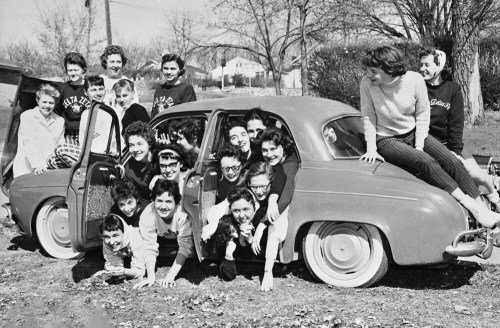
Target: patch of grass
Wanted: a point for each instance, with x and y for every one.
(484, 139)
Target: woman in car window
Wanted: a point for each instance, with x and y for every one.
(169, 162)
(140, 141)
(396, 114)
(256, 121)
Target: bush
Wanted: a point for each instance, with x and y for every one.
(489, 69)
(239, 80)
(335, 72)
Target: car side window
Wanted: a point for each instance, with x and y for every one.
(103, 137)
(344, 137)
(167, 131)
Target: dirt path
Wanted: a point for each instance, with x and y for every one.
(38, 291)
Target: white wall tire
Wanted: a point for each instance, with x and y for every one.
(345, 254)
(52, 229)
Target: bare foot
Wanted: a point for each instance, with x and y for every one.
(267, 281)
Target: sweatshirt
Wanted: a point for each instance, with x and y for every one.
(447, 115)
(167, 96)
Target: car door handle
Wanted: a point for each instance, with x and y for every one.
(195, 202)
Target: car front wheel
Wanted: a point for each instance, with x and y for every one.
(52, 229)
(345, 254)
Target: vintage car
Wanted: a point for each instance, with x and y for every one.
(348, 219)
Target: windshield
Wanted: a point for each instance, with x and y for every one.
(345, 137)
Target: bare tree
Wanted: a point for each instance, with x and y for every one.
(261, 27)
(453, 25)
(29, 57)
(66, 28)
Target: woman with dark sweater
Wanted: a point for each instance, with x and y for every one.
(447, 116)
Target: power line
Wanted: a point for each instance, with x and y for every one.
(152, 10)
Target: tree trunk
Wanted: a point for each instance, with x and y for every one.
(465, 34)
(277, 83)
(304, 77)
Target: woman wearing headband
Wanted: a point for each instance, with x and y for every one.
(169, 163)
(447, 116)
(396, 116)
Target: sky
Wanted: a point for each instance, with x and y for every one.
(131, 20)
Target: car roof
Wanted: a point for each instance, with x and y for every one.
(293, 109)
(303, 115)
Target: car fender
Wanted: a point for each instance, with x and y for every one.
(28, 192)
(418, 220)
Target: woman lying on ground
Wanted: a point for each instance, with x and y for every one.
(164, 218)
(447, 116)
(396, 115)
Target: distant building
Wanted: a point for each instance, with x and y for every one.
(236, 66)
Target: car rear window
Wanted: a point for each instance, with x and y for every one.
(345, 137)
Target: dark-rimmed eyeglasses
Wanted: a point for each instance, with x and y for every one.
(171, 166)
(259, 187)
(231, 168)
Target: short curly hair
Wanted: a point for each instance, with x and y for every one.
(175, 58)
(48, 90)
(142, 129)
(112, 50)
(192, 130)
(257, 114)
(240, 193)
(176, 148)
(277, 137)
(112, 223)
(388, 58)
(75, 58)
(233, 151)
(124, 189)
(446, 72)
(162, 186)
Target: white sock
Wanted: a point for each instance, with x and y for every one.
(493, 197)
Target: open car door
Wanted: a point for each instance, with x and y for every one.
(201, 182)
(89, 191)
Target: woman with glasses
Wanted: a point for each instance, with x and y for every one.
(230, 160)
(246, 212)
(169, 162)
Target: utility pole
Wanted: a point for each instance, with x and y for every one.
(108, 23)
(88, 4)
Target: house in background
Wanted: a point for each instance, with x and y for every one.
(291, 77)
(151, 70)
(238, 66)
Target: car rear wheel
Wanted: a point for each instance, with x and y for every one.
(52, 229)
(345, 254)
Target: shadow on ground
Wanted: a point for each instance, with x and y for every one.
(26, 243)
(451, 277)
(88, 265)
